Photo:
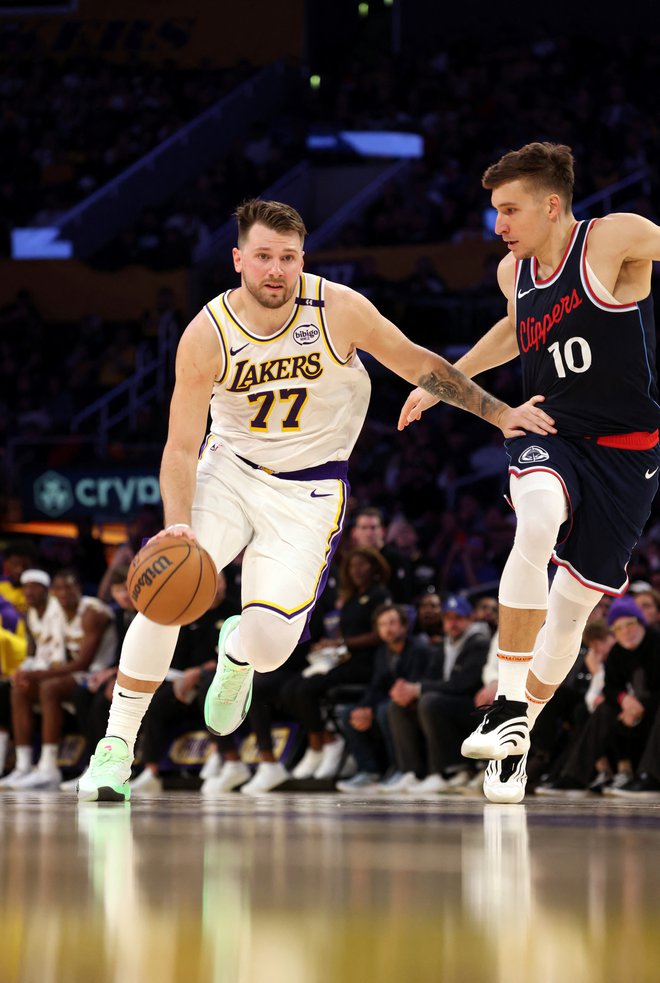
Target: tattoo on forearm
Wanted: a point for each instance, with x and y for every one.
(457, 389)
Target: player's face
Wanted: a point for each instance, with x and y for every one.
(269, 263)
(523, 218)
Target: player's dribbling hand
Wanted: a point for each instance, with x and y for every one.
(418, 401)
(516, 421)
(180, 529)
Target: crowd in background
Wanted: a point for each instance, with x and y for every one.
(70, 124)
(377, 702)
(402, 640)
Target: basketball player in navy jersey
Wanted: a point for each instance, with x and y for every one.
(276, 360)
(580, 316)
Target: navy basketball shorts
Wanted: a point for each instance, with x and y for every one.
(609, 492)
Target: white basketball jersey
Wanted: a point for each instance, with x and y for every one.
(73, 634)
(48, 634)
(288, 401)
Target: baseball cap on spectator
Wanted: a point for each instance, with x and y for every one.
(35, 577)
(638, 586)
(456, 604)
(624, 607)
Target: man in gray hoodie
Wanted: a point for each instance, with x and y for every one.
(429, 720)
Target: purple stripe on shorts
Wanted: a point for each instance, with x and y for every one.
(334, 543)
(331, 469)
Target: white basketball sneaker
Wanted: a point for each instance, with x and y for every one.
(505, 781)
(503, 731)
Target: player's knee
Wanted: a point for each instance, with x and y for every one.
(266, 642)
(536, 536)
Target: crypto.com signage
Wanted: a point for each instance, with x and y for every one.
(111, 492)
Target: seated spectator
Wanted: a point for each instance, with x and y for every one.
(430, 719)
(364, 575)
(429, 620)
(15, 559)
(618, 729)
(645, 782)
(93, 694)
(486, 610)
(266, 702)
(568, 711)
(365, 727)
(90, 639)
(648, 599)
(13, 649)
(143, 526)
(369, 531)
(13, 638)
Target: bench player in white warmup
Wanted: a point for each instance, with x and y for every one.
(276, 358)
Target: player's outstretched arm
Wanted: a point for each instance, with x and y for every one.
(497, 346)
(355, 322)
(198, 362)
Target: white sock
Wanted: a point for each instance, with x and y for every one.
(4, 744)
(24, 757)
(534, 707)
(233, 647)
(512, 669)
(126, 713)
(48, 759)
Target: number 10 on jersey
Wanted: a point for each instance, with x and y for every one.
(567, 359)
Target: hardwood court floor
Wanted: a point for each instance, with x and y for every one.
(294, 888)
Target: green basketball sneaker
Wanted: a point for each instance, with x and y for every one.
(230, 694)
(108, 772)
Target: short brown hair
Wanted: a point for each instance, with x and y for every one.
(388, 606)
(596, 631)
(274, 215)
(544, 167)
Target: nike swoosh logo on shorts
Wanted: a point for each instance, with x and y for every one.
(235, 351)
(523, 293)
(125, 697)
(316, 494)
(649, 474)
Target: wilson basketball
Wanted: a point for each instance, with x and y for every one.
(172, 581)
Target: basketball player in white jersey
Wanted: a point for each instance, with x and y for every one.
(580, 317)
(277, 361)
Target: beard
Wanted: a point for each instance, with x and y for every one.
(266, 297)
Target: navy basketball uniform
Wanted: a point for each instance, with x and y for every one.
(594, 362)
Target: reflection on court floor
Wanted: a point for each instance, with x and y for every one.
(323, 889)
